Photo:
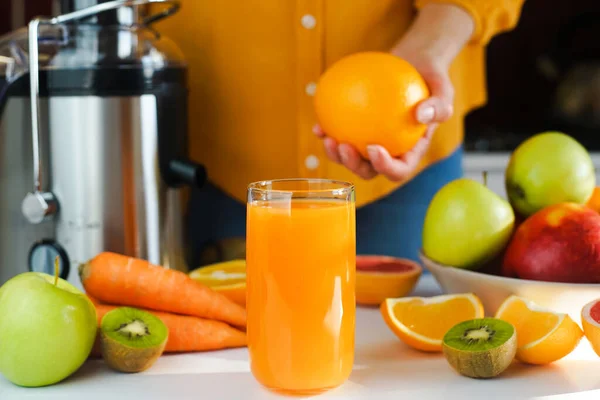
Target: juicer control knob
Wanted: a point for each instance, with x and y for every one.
(38, 206)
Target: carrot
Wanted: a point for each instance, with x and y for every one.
(121, 280)
(186, 333)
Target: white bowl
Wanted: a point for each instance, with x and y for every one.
(493, 290)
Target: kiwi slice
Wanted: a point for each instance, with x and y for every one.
(480, 348)
(132, 339)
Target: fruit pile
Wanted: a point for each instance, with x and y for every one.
(548, 228)
(483, 347)
(131, 313)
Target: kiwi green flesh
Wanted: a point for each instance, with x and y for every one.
(132, 339)
(134, 328)
(480, 348)
(479, 335)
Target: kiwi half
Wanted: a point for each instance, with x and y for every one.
(480, 348)
(132, 339)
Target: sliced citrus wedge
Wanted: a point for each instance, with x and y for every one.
(543, 336)
(382, 277)
(422, 322)
(590, 320)
(228, 278)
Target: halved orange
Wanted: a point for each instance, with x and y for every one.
(590, 320)
(382, 277)
(228, 278)
(422, 322)
(543, 336)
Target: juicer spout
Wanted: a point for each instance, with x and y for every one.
(188, 172)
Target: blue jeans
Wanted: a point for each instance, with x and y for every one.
(390, 226)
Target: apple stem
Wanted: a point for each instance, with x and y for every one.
(485, 174)
(55, 270)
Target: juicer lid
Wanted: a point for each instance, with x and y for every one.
(72, 47)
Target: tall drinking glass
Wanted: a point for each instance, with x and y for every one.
(301, 262)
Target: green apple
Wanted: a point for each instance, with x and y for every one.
(546, 169)
(47, 330)
(466, 225)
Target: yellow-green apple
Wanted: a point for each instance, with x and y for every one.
(466, 225)
(47, 329)
(560, 243)
(549, 168)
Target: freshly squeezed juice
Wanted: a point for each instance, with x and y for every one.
(300, 292)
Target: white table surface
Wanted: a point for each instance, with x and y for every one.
(384, 368)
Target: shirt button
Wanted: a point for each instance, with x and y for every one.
(311, 89)
(311, 162)
(308, 21)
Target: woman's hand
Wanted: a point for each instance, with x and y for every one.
(380, 161)
(433, 41)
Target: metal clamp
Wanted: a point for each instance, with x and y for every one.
(41, 204)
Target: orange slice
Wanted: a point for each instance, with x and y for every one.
(422, 322)
(228, 278)
(590, 320)
(543, 336)
(382, 277)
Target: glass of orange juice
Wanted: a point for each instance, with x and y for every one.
(300, 299)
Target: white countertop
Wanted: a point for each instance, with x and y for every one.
(384, 368)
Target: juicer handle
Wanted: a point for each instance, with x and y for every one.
(96, 9)
(41, 204)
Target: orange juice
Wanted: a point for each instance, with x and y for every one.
(301, 292)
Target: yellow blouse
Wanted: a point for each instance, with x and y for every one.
(254, 65)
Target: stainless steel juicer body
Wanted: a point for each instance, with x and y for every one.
(101, 128)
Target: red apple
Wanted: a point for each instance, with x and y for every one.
(560, 243)
(494, 266)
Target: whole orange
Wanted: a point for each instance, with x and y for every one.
(370, 98)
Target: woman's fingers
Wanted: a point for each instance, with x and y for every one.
(331, 149)
(380, 161)
(352, 160)
(413, 157)
(398, 169)
(384, 163)
(434, 110)
(438, 107)
(318, 131)
(349, 157)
